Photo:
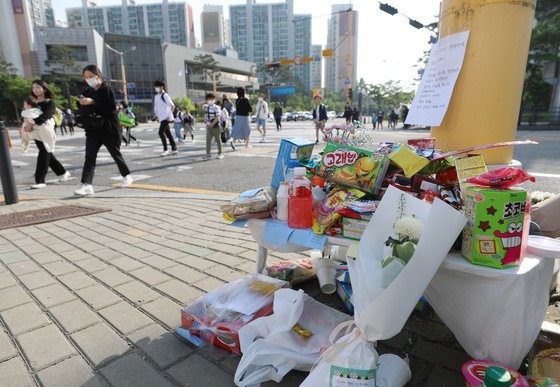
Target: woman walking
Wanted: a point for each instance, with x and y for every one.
(241, 128)
(45, 125)
(178, 123)
(102, 128)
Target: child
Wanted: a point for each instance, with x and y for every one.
(212, 115)
(29, 113)
(188, 124)
(319, 116)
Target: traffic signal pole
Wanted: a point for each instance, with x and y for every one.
(349, 60)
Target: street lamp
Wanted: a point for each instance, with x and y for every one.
(123, 80)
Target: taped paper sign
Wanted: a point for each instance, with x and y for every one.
(444, 65)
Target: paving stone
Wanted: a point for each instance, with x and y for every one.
(98, 296)
(248, 267)
(180, 291)
(7, 280)
(7, 349)
(127, 264)
(209, 284)
(92, 265)
(150, 276)
(133, 371)
(13, 372)
(77, 280)
(196, 262)
(183, 372)
(60, 268)
(228, 249)
(23, 267)
(196, 250)
(34, 248)
(136, 292)
(13, 257)
(158, 262)
(70, 372)
(106, 254)
(43, 258)
(44, 346)
(135, 252)
(136, 233)
(100, 343)
(225, 273)
(75, 255)
(52, 295)
(165, 311)
(36, 280)
(61, 246)
(24, 318)
(185, 274)
(163, 347)
(74, 316)
(291, 379)
(226, 259)
(13, 296)
(437, 354)
(125, 317)
(112, 277)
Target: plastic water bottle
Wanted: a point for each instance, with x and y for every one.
(300, 202)
(292, 164)
(282, 202)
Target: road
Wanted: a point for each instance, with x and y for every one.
(238, 171)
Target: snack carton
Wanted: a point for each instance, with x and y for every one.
(354, 228)
(353, 167)
(495, 233)
(299, 145)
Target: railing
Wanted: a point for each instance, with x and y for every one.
(539, 116)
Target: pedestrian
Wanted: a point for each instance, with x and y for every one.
(188, 124)
(178, 114)
(242, 127)
(380, 119)
(374, 119)
(45, 126)
(262, 115)
(59, 121)
(356, 115)
(319, 116)
(130, 114)
(347, 113)
(102, 127)
(393, 117)
(212, 116)
(224, 124)
(163, 109)
(70, 120)
(278, 116)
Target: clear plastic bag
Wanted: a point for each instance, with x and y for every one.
(258, 200)
(296, 271)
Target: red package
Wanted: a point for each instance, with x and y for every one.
(501, 178)
(430, 195)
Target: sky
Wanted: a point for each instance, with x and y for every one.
(388, 47)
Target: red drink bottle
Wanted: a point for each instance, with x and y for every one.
(300, 202)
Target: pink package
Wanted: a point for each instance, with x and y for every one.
(474, 371)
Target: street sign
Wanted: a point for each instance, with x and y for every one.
(131, 96)
(347, 81)
(305, 60)
(289, 83)
(318, 92)
(286, 61)
(130, 85)
(297, 60)
(328, 52)
(317, 58)
(283, 90)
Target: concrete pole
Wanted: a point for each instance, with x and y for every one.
(6, 170)
(486, 99)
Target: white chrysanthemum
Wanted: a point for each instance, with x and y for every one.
(539, 196)
(410, 227)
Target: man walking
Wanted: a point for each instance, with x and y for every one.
(262, 115)
(348, 113)
(163, 109)
(278, 116)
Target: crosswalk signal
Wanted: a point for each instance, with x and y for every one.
(387, 8)
(415, 24)
(271, 65)
(349, 93)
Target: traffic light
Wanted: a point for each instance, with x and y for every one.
(387, 8)
(349, 93)
(271, 65)
(415, 24)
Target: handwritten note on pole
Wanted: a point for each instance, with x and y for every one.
(432, 98)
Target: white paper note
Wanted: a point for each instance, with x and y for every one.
(432, 98)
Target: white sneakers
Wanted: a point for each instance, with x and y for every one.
(174, 152)
(38, 186)
(262, 139)
(165, 153)
(85, 190)
(220, 156)
(138, 142)
(127, 181)
(232, 144)
(64, 177)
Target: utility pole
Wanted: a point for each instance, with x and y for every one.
(123, 72)
(349, 60)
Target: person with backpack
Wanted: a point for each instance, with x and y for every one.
(188, 124)
(224, 122)
(212, 116)
(163, 109)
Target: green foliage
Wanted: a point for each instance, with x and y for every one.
(140, 113)
(207, 67)
(6, 68)
(63, 66)
(546, 9)
(388, 95)
(184, 102)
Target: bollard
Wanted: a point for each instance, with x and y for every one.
(6, 171)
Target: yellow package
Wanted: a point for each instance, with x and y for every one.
(324, 216)
(408, 161)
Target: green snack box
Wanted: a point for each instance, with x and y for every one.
(353, 167)
(494, 232)
(354, 228)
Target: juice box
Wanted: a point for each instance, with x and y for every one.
(302, 147)
(495, 233)
(353, 167)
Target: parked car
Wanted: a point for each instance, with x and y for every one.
(340, 115)
(301, 116)
(292, 116)
(331, 114)
(253, 118)
(284, 117)
(308, 116)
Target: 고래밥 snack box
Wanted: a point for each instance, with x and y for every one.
(495, 234)
(353, 167)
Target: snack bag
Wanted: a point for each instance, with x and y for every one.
(325, 216)
(408, 161)
(501, 178)
(296, 271)
(257, 200)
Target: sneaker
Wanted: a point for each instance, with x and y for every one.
(206, 157)
(138, 143)
(165, 153)
(38, 186)
(174, 152)
(85, 190)
(220, 156)
(127, 181)
(64, 177)
(232, 145)
(262, 139)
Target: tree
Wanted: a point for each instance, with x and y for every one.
(389, 95)
(63, 63)
(184, 102)
(207, 66)
(6, 68)
(546, 9)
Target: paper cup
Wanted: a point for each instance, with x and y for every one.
(393, 370)
(325, 273)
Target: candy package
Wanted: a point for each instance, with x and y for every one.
(408, 161)
(296, 271)
(501, 178)
(253, 201)
(325, 216)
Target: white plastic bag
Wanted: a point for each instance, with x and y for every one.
(271, 348)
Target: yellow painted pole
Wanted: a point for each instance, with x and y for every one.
(484, 108)
(349, 59)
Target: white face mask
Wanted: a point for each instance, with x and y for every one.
(158, 89)
(211, 102)
(92, 82)
(260, 99)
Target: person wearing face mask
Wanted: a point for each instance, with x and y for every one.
(262, 116)
(163, 108)
(212, 115)
(103, 128)
(45, 127)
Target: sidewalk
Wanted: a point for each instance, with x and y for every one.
(95, 300)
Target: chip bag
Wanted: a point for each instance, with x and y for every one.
(501, 178)
(295, 271)
(408, 161)
(324, 215)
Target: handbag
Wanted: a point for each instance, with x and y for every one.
(87, 119)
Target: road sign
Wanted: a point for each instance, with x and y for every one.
(317, 58)
(284, 90)
(327, 52)
(131, 96)
(318, 92)
(297, 60)
(305, 60)
(289, 83)
(286, 61)
(347, 81)
(130, 85)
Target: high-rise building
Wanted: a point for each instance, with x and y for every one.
(213, 26)
(316, 67)
(18, 18)
(172, 22)
(342, 38)
(270, 32)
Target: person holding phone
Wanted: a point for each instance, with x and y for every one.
(103, 128)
